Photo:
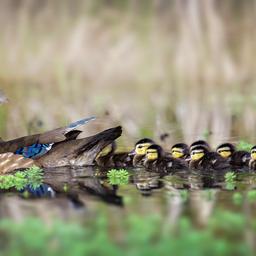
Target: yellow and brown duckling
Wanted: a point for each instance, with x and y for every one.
(252, 162)
(237, 159)
(203, 159)
(200, 143)
(180, 150)
(158, 161)
(126, 159)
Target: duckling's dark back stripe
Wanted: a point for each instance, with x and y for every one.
(34, 150)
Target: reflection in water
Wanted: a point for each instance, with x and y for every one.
(66, 190)
(43, 190)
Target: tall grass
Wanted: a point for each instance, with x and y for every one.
(183, 67)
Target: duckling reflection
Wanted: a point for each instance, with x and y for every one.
(147, 182)
(237, 159)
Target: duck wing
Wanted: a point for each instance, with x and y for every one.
(80, 152)
(53, 136)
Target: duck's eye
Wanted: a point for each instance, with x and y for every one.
(140, 146)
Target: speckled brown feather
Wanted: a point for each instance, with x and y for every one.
(10, 162)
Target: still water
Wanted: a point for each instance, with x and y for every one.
(79, 193)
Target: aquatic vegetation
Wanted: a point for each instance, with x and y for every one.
(118, 177)
(230, 177)
(230, 180)
(140, 236)
(251, 196)
(32, 176)
(237, 198)
(243, 145)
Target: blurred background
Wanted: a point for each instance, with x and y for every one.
(185, 67)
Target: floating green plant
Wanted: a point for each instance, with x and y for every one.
(32, 176)
(118, 177)
(230, 180)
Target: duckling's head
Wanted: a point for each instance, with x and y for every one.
(142, 145)
(179, 150)
(154, 152)
(198, 152)
(253, 153)
(226, 150)
(199, 143)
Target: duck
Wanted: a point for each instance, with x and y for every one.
(252, 162)
(68, 152)
(157, 160)
(237, 159)
(204, 159)
(180, 150)
(132, 158)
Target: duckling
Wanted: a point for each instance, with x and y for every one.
(140, 151)
(203, 159)
(180, 150)
(126, 159)
(237, 159)
(252, 162)
(158, 161)
(200, 143)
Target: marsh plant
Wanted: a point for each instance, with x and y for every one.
(118, 177)
(32, 176)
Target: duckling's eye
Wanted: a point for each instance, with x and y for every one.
(140, 146)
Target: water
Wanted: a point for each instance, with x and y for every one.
(87, 191)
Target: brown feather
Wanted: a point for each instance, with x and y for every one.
(10, 162)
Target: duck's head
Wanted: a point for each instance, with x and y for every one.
(226, 150)
(142, 145)
(154, 152)
(253, 153)
(199, 143)
(180, 150)
(197, 152)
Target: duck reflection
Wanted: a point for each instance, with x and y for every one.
(82, 181)
(147, 182)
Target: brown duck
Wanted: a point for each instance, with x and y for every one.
(66, 150)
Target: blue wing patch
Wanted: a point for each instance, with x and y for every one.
(43, 190)
(34, 150)
(78, 123)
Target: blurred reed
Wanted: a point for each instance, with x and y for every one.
(185, 67)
